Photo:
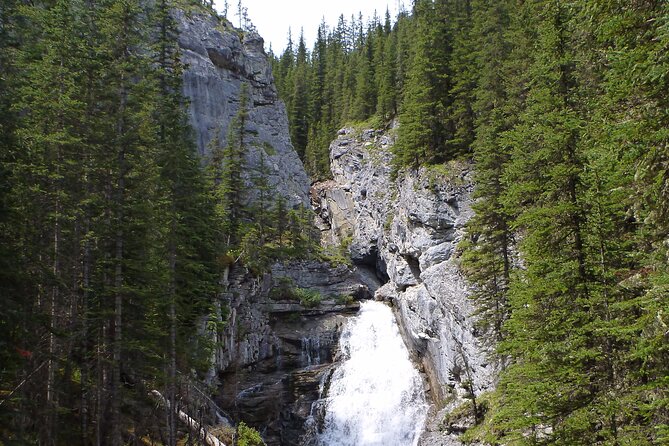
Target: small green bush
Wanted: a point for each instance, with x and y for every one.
(284, 289)
(308, 298)
(247, 436)
(338, 255)
(344, 299)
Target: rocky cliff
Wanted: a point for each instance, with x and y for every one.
(276, 347)
(408, 230)
(219, 59)
(280, 341)
(281, 330)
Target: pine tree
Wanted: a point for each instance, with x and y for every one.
(317, 76)
(460, 121)
(489, 250)
(103, 189)
(187, 218)
(364, 99)
(386, 76)
(232, 185)
(283, 73)
(425, 96)
(553, 291)
(12, 307)
(44, 171)
(298, 110)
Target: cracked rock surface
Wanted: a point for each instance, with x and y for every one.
(408, 230)
(219, 59)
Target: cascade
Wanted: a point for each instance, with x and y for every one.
(376, 396)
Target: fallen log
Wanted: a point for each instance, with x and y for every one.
(190, 422)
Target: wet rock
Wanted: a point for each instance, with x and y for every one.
(275, 350)
(412, 226)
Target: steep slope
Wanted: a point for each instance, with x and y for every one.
(408, 230)
(404, 230)
(219, 60)
(281, 327)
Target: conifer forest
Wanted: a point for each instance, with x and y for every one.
(118, 237)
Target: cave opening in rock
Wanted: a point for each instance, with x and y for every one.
(371, 262)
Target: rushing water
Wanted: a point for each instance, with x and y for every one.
(376, 396)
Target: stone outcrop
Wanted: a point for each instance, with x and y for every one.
(275, 349)
(219, 59)
(408, 229)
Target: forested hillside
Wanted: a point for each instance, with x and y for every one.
(113, 236)
(562, 106)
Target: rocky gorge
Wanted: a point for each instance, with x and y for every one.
(278, 349)
(408, 229)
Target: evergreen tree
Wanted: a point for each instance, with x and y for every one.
(298, 110)
(364, 99)
(425, 96)
(232, 185)
(489, 250)
(188, 238)
(283, 74)
(48, 141)
(386, 76)
(460, 120)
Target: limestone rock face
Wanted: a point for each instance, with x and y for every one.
(275, 350)
(219, 59)
(408, 229)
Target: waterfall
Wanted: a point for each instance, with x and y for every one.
(376, 395)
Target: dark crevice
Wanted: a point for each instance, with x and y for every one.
(414, 266)
(372, 262)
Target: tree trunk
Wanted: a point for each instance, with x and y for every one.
(119, 203)
(192, 425)
(173, 341)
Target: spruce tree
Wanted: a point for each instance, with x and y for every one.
(425, 95)
(386, 75)
(460, 114)
(553, 291)
(298, 110)
(232, 184)
(188, 237)
(489, 249)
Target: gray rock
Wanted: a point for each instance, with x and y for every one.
(274, 353)
(218, 62)
(355, 203)
(435, 255)
(412, 226)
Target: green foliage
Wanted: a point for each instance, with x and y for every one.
(339, 254)
(565, 247)
(228, 163)
(485, 431)
(104, 208)
(308, 298)
(285, 289)
(344, 299)
(451, 172)
(247, 436)
(350, 76)
(420, 68)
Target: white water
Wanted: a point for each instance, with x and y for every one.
(376, 396)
